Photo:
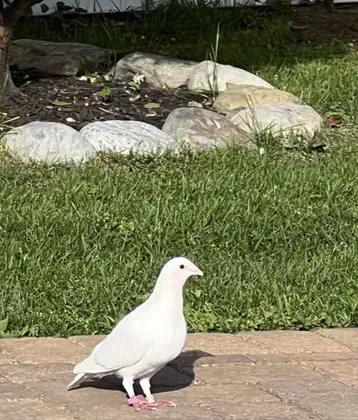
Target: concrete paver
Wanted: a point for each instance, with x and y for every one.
(26, 350)
(279, 375)
(31, 409)
(347, 336)
(343, 371)
(294, 342)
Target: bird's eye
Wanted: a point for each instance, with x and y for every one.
(181, 266)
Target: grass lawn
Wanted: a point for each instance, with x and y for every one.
(275, 234)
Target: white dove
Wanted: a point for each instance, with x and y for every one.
(145, 340)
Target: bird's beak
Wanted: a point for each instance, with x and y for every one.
(197, 272)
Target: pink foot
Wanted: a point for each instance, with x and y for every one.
(142, 404)
(164, 404)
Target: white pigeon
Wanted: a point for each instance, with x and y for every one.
(145, 340)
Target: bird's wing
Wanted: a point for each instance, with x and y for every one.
(127, 344)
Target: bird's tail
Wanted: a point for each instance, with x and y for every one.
(78, 379)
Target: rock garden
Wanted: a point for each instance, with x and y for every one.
(80, 100)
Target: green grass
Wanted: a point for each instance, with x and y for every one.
(276, 235)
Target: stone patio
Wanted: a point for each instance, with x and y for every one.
(279, 375)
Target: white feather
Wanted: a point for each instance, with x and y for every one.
(149, 337)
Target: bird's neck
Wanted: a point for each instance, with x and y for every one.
(168, 293)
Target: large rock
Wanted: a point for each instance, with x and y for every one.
(210, 77)
(158, 70)
(280, 119)
(198, 128)
(244, 96)
(47, 142)
(59, 58)
(127, 136)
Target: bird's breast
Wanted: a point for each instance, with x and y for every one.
(170, 342)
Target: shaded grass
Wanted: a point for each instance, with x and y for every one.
(324, 76)
(249, 38)
(275, 235)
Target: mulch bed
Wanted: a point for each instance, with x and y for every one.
(314, 25)
(77, 102)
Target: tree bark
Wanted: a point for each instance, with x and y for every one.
(10, 11)
(7, 87)
(329, 5)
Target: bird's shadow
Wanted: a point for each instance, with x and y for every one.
(176, 375)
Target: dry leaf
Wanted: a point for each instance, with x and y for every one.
(152, 105)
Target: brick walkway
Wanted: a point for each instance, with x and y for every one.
(250, 376)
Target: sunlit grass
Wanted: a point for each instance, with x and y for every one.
(276, 234)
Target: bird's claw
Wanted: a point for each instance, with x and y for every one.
(141, 404)
(164, 404)
(144, 406)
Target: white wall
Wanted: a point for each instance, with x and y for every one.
(97, 6)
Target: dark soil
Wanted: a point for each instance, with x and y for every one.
(315, 25)
(76, 102)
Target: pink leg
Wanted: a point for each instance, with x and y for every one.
(141, 404)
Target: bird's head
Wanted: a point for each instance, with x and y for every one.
(180, 269)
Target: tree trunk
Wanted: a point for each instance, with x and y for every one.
(329, 5)
(7, 87)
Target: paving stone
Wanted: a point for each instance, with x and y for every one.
(282, 375)
(31, 409)
(5, 356)
(243, 402)
(88, 342)
(245, 373)
(214, 343)
(307, 390)
(22, 374)
(346, 336)
(316, 393)
(14, 392)
(269, 411)
(105, 398)
(294, 342)
(345, 371)
(238, 402)
(26, 350)
(302, 357)
(217, 344)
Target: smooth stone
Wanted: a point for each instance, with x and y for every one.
(158, 70)
(48, 142)
(59, 58)
(245, 96)
(282, 119)
(127, 137)
(198, 129)
(210, 77)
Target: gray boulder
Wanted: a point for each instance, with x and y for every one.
(59, 58)
(47, 142)
(127, 136)
(158, 70)
(210, 77)
(198, 129)
(281, 119)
